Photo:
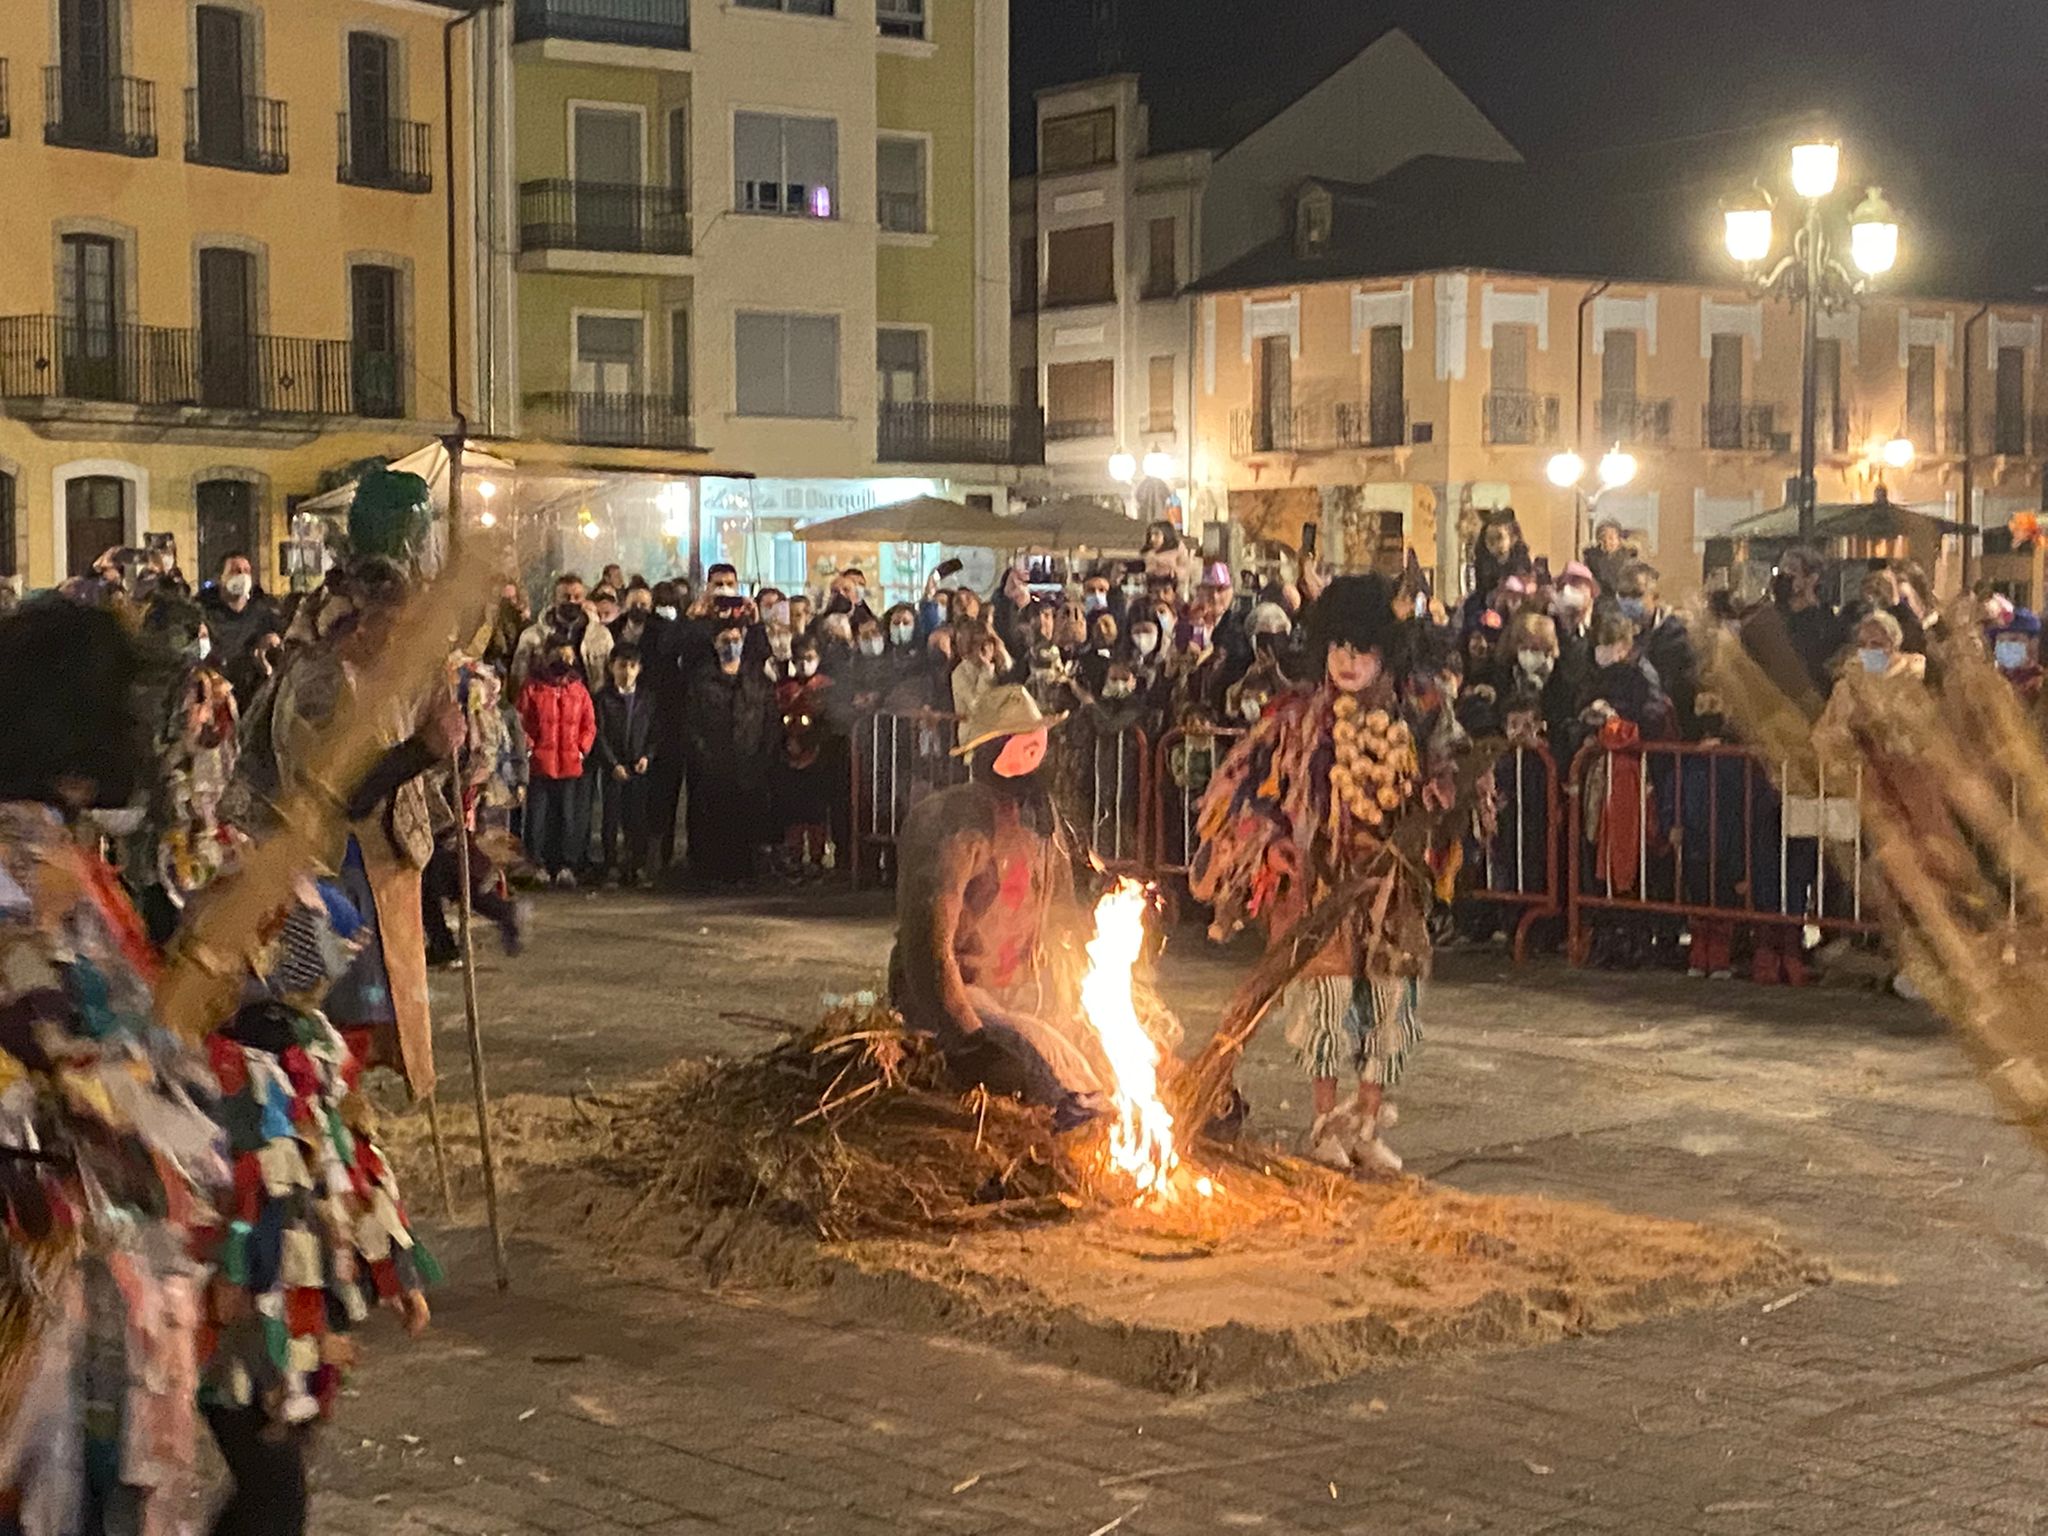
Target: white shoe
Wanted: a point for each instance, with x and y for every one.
(1390, 1115)
(1329, 1140)
(1369, 1154)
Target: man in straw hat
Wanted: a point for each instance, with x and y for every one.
(985, 882)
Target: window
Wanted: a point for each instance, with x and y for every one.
(227, 326)
(1159, 394)
(1075, 142)
(679, 362)
(378, 350)
(370, 130)
(1724, 393)
(792, 7)
(95, 519)
(786, 365)
(1387, 417)
(1920, 409)
(227, 522)
(1080, 399)
(221, 66)
(786, 165)
(1618, 366)
(1024, 277)
(609, 349)
(900, 365)
(899, 185)
(1831, 420)
(89, 298)
(2009, 426)
(900, 18)
(1161, 278)
(1273, 422)
(1080, 265)
(10, 557)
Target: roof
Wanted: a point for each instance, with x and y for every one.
(1651, 213)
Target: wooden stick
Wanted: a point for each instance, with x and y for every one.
(440, 1153)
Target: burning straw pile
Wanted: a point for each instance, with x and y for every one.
(850, 1129)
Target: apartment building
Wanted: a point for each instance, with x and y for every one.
(1415, 351)
(1110, 230)
(746, 260)
(224, 272)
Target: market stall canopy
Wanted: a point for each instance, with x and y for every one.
(1879, 519)
(430, 463)
(1078, 523)
(920, 520)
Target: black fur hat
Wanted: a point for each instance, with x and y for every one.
(68, 675)
(1353, 610)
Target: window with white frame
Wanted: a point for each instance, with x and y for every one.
(899, 184)
(786, 165)
(900, 18)
(786, 365)
(791, 7)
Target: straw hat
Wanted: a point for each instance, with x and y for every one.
(1005, 710)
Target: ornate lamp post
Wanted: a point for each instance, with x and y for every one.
(1812, 273)
(1567, 471)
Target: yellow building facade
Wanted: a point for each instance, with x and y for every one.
(1390, 412)
(225, 271)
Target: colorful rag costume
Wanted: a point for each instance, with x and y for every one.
(1307, 800)
(106, 1155)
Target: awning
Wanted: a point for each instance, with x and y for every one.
(920, 520)
(430, 463)
(1880, 519)
(1078, 523)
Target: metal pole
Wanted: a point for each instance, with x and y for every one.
(1809, 394)
(472, 1017)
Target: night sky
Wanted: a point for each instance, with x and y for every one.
(1958, 80)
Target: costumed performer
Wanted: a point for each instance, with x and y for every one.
(1307, 801)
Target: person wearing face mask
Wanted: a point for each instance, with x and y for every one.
(848, 595)
(734, 732)
(566, 614)
(1811, 623)
(1101, 649)
(667, 684)
(236, 606)
(1664, 642)
(2016, 651)
(983, 663)
(803, 787)
(1608, 555)
(1277, 828)
(560, 721)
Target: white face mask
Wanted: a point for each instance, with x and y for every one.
(1535, 663)
(1147, 641)
(200, 649)
(1116, 690)
(1875, 659)
(901, 633)
(872, 646)
(239, 585)
(2011, 655)
(666, 611)
(1572, 599)
(779, 647)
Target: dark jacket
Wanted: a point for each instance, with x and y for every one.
(1817, 635)
(625, 727)
(230, 632)
(731, 726)
(1668, 648)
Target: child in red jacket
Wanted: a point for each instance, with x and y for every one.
(561, 725)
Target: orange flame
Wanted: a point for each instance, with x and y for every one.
(1141, 1139)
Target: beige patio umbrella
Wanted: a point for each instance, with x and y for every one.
(920, 520)
(1074, 522)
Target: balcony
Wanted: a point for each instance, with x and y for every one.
(610, 420)
(1381, 423)
(1068, 429)
(900, 18)
(603, 216)
(1632, 420)
(45, 357)
(959, 432)
(115, 114)
(247, 134)
(626, 23)
(1320, 427)
(1520, 418)
(386, 154)
(2017, 436)
(1743, 426)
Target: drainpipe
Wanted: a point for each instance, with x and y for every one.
(1583, 534)
(1969, 511)
(453, 222)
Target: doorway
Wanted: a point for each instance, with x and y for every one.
(607, 158)
(95, 519)
(221, 99)
(1274, 427)
(370, 94)
(227, 523)
(607, 380)
(374, 340)
(89, 49)
(227, 327)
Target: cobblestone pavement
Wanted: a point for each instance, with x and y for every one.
(1909, 1396)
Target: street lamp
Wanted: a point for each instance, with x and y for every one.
(1567, 471)
(1813, 273)
(1159, 465)
(1123, 468)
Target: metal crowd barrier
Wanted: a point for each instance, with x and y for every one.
(1703, 833)
(1518, 865)
(898, 759)
(1186, 760)
(1111, 803)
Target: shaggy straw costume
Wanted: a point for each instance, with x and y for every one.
(1306, 802)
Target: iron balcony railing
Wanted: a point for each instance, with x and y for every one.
(1746, 425)
(631, 23)
(114, 113)
(1381, 423)
(1063, 429)
(958, 432)
(387, 153)
(900, 18)
(1633, 419)
(247, 133)
(1319, 427)
(46, 357)
(603, 216)
(1521, 417)
(610, 420)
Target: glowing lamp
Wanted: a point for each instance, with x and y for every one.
(487, 518)
(487, 489)
(1874, 235)
(1158, 465)
(1565, 470)
(1617, 468)
(1898, 453)
(1815, 167)
(1747, 232)
(1123, 468)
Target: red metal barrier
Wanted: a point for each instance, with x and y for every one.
(1524, 873)
(898, 759)
(1702, 833)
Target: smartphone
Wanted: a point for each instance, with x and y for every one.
(1308, 540)
(951, 567)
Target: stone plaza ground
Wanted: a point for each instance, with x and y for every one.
(1909, 1395)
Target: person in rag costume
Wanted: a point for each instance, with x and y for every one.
(107, 1153)
(1307, 801)
(985, 888)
